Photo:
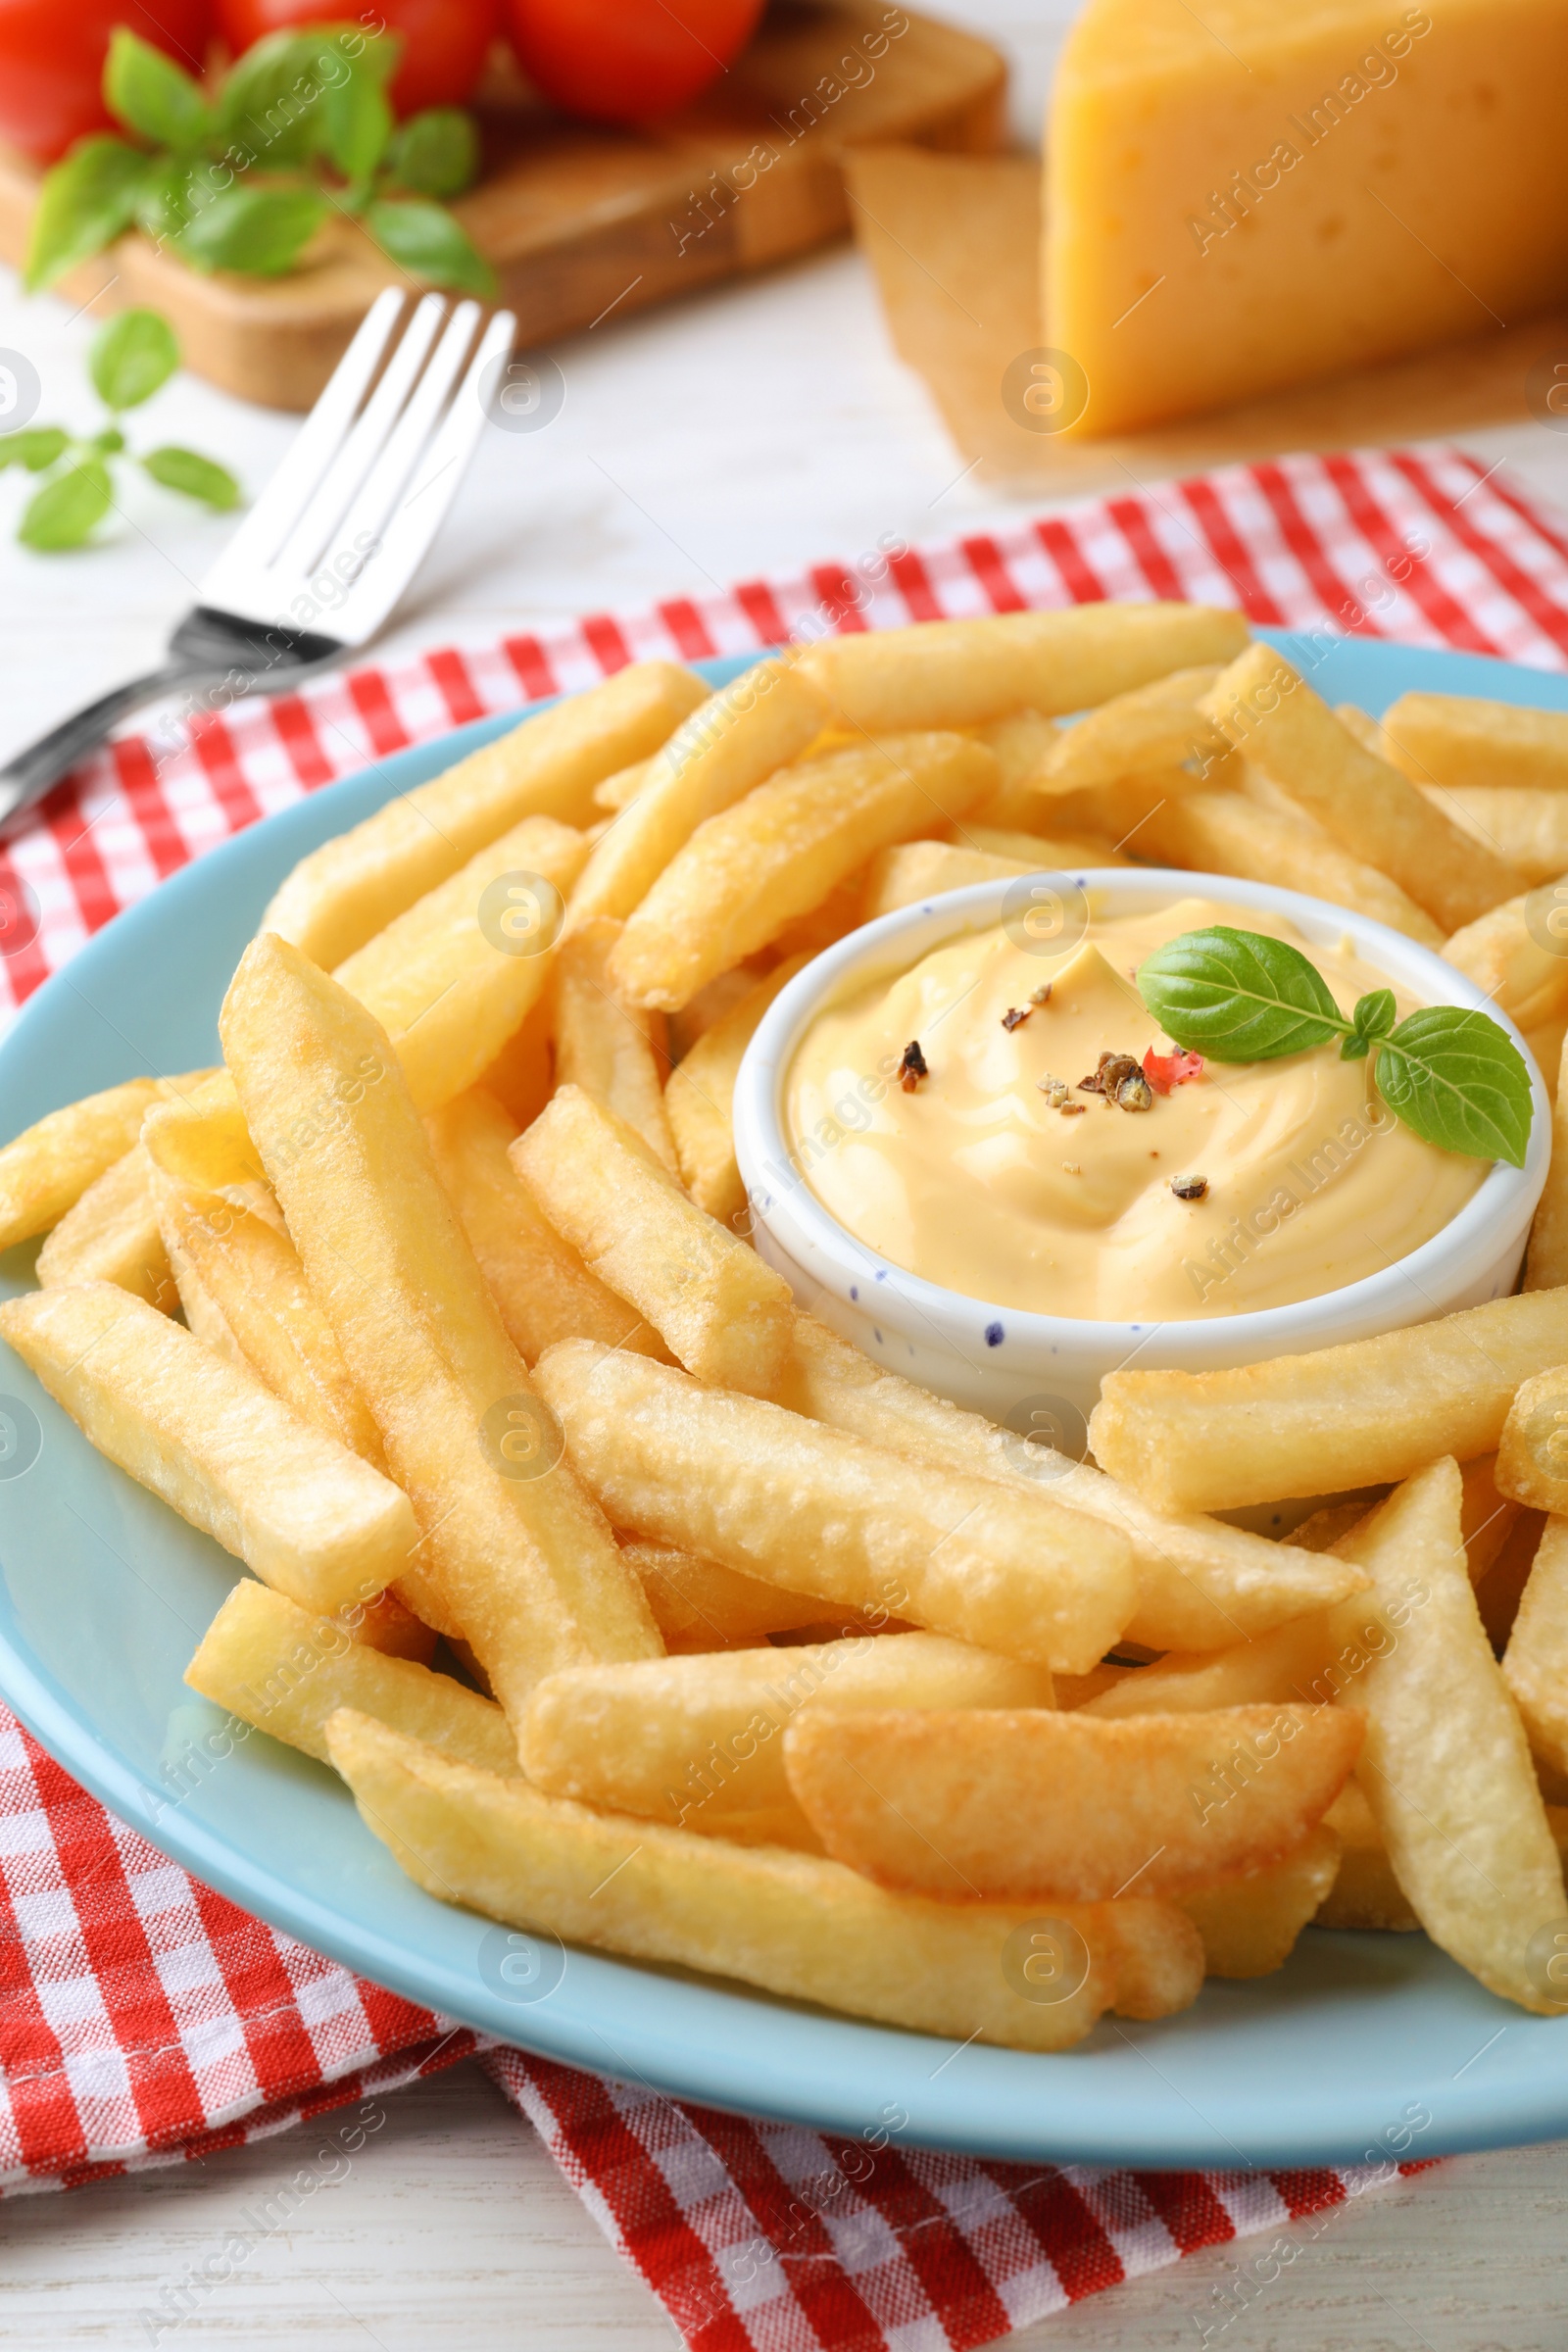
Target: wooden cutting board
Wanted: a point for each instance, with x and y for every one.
(584, 224)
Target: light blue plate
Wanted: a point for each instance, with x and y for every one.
(104, 1594)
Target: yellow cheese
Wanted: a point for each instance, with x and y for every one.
(1249, 194)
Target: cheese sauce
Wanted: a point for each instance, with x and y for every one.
(997, 1174)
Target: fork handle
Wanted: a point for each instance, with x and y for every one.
(28, 776)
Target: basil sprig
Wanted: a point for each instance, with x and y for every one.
(1453, 1077)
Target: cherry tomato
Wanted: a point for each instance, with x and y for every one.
(445, 42)
(627, 60)
(52, 62)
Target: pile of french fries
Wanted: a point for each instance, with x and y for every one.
(636, 1606)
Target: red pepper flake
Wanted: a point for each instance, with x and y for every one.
(1014, 1017)
(1166, 1071)
(914, 1068)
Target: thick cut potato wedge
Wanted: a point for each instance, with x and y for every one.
(963, 673)
(1533, 1457)
(1228, 833)
(278, 1667)
(722, 1312)
(745, 874)
(453, 979)
(45, 1170)
(1006, 1806)
(817, 1512)
(1462, 739)
(1357, 1416)
(1535, 1665)
(1202, 1585)
(1366, 1893)
(1270, 1669)
(609, 1048)
(218, 1447)
(113, 1235)
(520, 1559)
(538, 1280)
(353, 886)
(702, 1091)
(1445, 1768)
(1249, 1925)
(793, 1924)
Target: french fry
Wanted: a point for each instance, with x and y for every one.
(1228, 833)
(215, 1445)
(455, 976)
(1271, 1668)
(926, 869)
(202, 1314)
(538, 1280)
(1267, 710)
(1366, 1893)
(795, 1924)
(521, 1078)
(713, 1003)
(45, 1170)
(1445, 1766)
(353, 886)
(1035, 850)
(520, 1557)
(700, 1605)
(1249, 1925)
(1003, 1805)
(1533, 1456)
(202, 1141)
(251, 1274)
(699, 1094)
(1202, 1585)
(1022, 741)
(1535, 1665)
(740, 736)
(743, 874)
(823, 925)
(1159, 725)
(1460, 739)
(111, 1235)
(618, 791)
(1500, 952)
(1487, 1518)
(963, 673)
(606, 1045)
(818, 1511)
(722, 1312)
(1546, 1257)
(1370, 1411)
(688, 1740)
(389, 1624)
(278, 1667)
(1529, 829)
(1499, 1596)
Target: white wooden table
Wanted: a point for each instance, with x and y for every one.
(749, 430)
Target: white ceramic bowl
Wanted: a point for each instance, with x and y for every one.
(1042, 1372)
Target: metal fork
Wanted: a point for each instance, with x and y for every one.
(335, 538)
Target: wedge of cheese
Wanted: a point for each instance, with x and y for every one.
(1250, 194)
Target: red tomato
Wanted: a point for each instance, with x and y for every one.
(627, 60)
(445, 42)
(52, 62)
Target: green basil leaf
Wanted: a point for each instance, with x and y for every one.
(428, 242)
(163, 196)
(1373, 1017)
(1459, 1081)
(356, 121)
(258, 231)
(35, 449)
(196, 476)
(83, 205)
(150, 94)
(64, 512)
(268, 110)
(130, 358)
(1236, 995)
(436, 152)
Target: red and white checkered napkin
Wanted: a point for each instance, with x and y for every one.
(143, 2019)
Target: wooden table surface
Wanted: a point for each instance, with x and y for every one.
(747, 430)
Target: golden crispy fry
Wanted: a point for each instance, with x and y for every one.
(700, 1605)
(453, 979)
(701, 1091)
(45, 1170)
(1229, 833)
(1022, 741)
(519, 1558)
(1000, 1805)
(1515, 960)
(1035, 850)
(389, 1624)
(818, 1511)
(1357, 1416)
(1446, 1767)
(1249, 1925)
(689, 1739)
(251, 1274)
(1533, 1457)
(1460, 739)
(278, 1667)
(740, 736)
(797, 1925)
(962, 673)
(111, 1235)
(724, 1314)
(1499, 1596)
(1529, 829)
(926, 869)
(1487, 1516)
(821, 926)
(618, 791)
(777, 854)
(522, 1077)
(202, 1314)
(1546, 1258)
(609, 1048)
(352, 887)
(1535, 1665)
(1273, 1667)
(203, 1434)
(1366, 1893)
(538, 1280)
(1159, 725)
(1267, 710)
(1202, 1585)
(202, 1141)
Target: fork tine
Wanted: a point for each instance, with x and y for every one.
(288, 494)
(388, 476)
(422, 510)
